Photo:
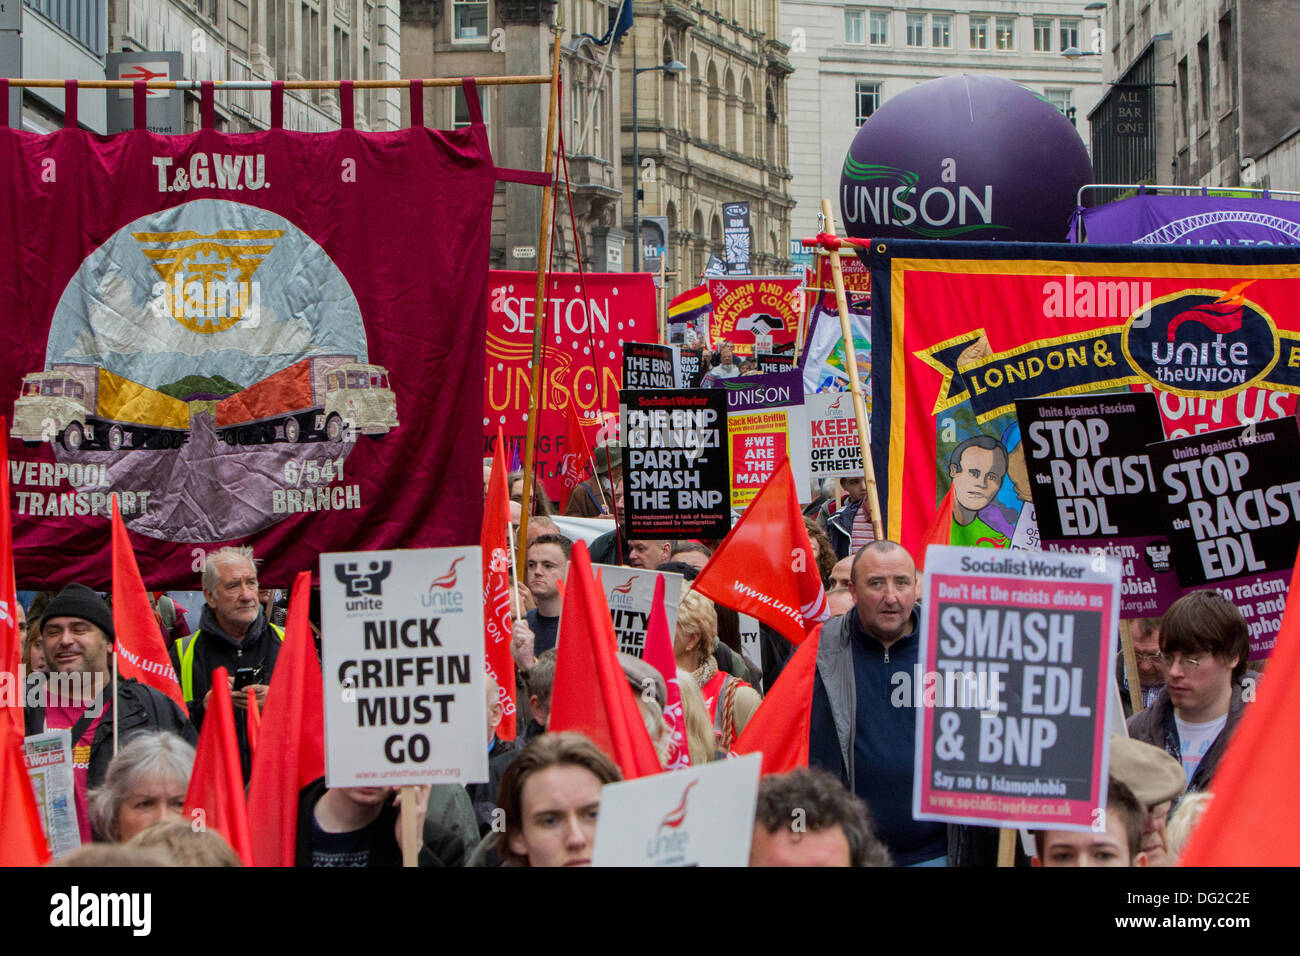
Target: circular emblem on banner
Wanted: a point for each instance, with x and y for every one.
(208, 364)
(1202, 343)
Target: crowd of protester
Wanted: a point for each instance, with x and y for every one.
(541, 802)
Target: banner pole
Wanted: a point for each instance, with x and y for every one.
(114, 700)
(1131, 665)
(539, 324)
(851, 360)
(410, 839)
(1006, 847)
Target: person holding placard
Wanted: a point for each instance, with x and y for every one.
(362, 826)
(1119, 844)
(859, 731)
(77, 693)
(551, 799)
(1204, 648)
(548, 565)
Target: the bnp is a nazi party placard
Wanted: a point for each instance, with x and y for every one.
(676, 479)
(1017, 656)
(1094, 486)
(402, 655)
(1231, 499)
(647, 365)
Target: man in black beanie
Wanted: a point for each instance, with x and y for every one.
(77, 636)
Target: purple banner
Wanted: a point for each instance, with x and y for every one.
(1191, 221)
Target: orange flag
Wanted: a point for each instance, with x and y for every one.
(22, 841)
(495, 541)
(215, 797)
(1242, 827)
(590, 693)
(765, 566)
(782, 723)
(940, 530)
(11, 638)
(141, 652)
(294, 729)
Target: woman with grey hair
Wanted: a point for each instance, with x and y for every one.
(145, 783)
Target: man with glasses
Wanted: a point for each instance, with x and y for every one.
(1146, 648)
(1204, 645)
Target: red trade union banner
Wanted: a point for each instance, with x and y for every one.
(582, 360)
(273, 339)
(749, 306)
(961, 331)
(857, 278)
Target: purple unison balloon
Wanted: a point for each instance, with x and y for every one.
(964, 157)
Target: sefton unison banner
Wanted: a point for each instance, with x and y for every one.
(272, 338)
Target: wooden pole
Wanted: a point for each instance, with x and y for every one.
(1006, 847)
(113, 699)
(539, 313)
(663, 298)
(1131, 665)
(410, 837)
(851, 360)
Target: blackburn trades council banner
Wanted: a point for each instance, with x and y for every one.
(274, 338)
(962, 331)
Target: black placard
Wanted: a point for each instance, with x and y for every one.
(647, 365)
(1231, 499)
(676, 482)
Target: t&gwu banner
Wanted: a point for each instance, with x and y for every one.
(582, 359)
(272, 338)
(961, 331)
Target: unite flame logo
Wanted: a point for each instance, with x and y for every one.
(677, 815)
(447, 580)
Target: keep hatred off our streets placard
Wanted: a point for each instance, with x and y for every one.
(1093, 487)
(1231, 499)
(402, 655)
(676, 480)
(1017, 652)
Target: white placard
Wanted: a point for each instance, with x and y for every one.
(832, 426)
(402, 655)
(48, 758)
(630, 594)
(703, 816)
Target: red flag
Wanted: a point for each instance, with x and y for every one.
(659, 654)
(254, 723)
(11, 636)
(216, 789)
(495, 541)
(591, 694)
(294, 725)
(765, 566)
(1240, 827)
(576, 465)
(940, 530)
(141, 652)
(780, 727)
(22, 841)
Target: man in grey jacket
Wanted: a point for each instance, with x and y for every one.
(1204, 645)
